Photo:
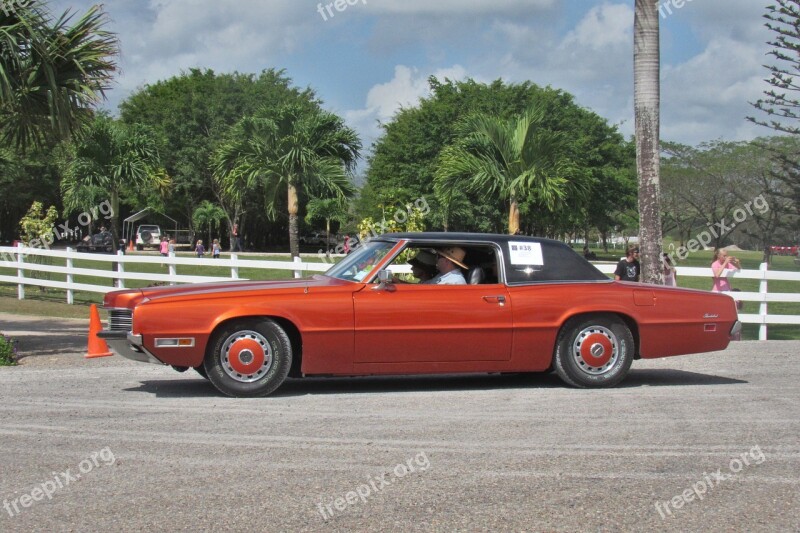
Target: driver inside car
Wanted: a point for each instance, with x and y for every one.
(449, 262)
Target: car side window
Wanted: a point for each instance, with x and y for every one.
(417, 264)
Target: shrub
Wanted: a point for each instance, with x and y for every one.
(8, 351)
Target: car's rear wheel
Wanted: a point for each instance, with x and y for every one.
(249, 358)
(594, 351)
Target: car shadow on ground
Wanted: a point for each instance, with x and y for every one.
(662, 377)
(172, 388)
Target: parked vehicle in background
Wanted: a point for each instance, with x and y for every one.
(148, 236)
(784, 250)
(99, 243)
(314, 238)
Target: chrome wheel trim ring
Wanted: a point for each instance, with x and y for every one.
(246, 356)
(596, 350)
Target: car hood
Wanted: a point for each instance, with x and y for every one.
(129, 298)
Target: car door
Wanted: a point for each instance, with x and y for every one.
(409, 323)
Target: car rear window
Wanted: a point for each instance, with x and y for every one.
(547, 261)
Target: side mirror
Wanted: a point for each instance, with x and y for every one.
(385, 281)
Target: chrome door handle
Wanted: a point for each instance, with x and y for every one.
(495, 300)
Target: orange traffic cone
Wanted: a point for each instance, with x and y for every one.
(97, 346)
(130, 245)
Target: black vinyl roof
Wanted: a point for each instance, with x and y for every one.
(445, 236)
(561, 262)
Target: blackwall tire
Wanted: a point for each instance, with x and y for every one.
(594, 351)
(248, 358)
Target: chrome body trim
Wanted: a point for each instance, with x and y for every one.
(129, 346)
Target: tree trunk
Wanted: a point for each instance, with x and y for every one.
(114, 218)
(294, 237)
(513, 217)
(327, 237)
(646, 102)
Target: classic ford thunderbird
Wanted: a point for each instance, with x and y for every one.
(506, 304)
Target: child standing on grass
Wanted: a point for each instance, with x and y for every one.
(200, 249)
(215, 249)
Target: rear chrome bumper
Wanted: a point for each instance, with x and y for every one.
(129, 346)
(736, 329)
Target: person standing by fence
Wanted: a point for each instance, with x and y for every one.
(236, 244)
(670, 273)
(722, 262)
(629, 269)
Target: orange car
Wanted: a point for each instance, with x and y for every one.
(523, 304)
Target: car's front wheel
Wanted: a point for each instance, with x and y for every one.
(249, 358)
(594, 351)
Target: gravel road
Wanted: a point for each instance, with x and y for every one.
(702, 442)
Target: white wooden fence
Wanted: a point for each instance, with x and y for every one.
(115, 270)
(15, 258)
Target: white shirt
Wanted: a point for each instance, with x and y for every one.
(454, 277)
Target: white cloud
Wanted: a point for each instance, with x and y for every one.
(457, 7)
(603, 25)
(404, 90)
(707, 96)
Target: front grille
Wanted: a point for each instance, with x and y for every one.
(120, 319)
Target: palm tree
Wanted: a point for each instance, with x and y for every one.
(208, 214)
(331, 209)
(647, 101)
(510, 160)
(116, 159)
(292, 150)
(51, 71)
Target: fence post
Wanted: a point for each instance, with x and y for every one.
(298, 272)
(173, 270)
(762, 311)
(120, 270)
(70, 292)
(20, 272)
(234, 266)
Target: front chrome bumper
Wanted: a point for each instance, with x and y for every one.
(128, 345)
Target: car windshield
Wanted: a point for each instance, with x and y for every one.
(356, 266)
